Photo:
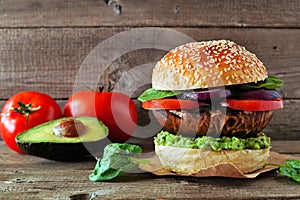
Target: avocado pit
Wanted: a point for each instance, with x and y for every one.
(69, 128)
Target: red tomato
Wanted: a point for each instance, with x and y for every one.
(171, 104)
(23, 111)
(81, 103)
(116, 110)
(255, 105)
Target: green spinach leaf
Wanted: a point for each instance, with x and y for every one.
(291, 169)
(293, 163)
(272, 82)
(151, 94)
(117, 158)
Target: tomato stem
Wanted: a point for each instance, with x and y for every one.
(109, 88)
(25, 109)
(101, 88)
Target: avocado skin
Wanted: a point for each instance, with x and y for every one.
(67, 152)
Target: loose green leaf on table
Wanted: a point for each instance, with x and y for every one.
(291, 169)
(117, 158)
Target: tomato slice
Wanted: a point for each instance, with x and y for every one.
(171, 104)
(255, 105)
(237, 104)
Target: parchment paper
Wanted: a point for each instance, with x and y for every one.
(223, 170)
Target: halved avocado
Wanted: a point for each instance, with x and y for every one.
(44, 141)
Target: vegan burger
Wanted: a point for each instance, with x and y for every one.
(213, 99)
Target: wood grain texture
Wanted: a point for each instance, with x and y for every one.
(214, 13)
(48, 60)
(29, 177)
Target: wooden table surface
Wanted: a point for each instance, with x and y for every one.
(29, 177)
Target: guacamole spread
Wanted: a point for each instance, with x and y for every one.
(164, 138)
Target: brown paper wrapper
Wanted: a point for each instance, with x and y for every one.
(222, 170)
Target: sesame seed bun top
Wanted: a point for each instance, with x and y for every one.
(207, 64)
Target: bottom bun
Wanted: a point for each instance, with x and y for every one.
(190, 161)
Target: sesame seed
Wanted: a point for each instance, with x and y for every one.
(200, 66)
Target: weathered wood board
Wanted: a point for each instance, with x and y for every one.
(167, 13)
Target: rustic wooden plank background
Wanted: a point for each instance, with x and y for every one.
(43, 43)
(188, 13)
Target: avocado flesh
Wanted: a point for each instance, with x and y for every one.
(40, 141)
(96, 130)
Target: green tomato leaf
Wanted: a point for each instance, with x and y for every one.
(272, 82)
(117, 158)
(151, 94)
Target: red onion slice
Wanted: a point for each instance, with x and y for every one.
(262, 94)
(205, 94)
